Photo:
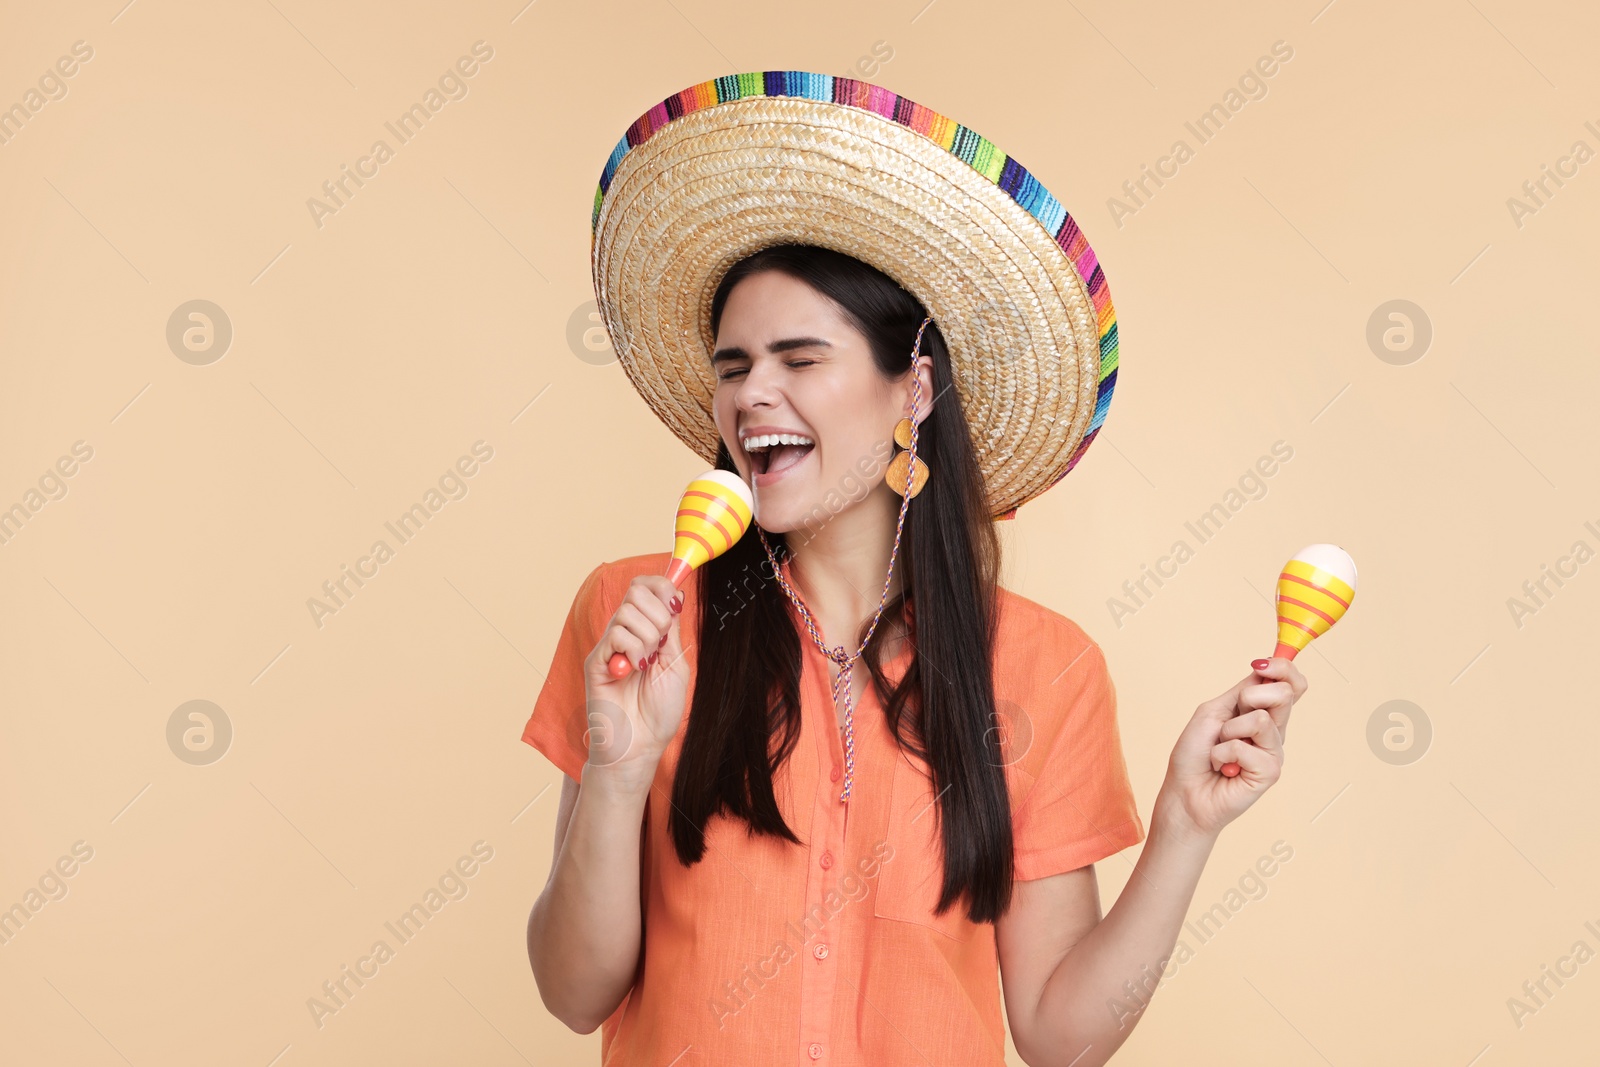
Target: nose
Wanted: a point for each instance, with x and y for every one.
(757, 389)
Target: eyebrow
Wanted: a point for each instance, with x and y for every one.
(787, 344)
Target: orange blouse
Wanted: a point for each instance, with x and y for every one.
(829, 953)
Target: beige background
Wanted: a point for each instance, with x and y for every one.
(436, 306)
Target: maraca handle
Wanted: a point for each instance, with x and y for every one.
(618, 666)
(1232, 769)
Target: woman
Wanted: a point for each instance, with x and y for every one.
(764, 855)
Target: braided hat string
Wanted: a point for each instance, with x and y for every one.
(846, 663)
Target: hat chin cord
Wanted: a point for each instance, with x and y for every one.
(846, 661)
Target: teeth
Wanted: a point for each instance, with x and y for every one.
(761, 442)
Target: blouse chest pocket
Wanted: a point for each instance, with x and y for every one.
(909, 882)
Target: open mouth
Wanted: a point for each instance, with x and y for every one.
(775, 453)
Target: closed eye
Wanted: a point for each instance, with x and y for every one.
(726, 375)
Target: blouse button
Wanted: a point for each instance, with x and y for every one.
(826, 860)
(821, 952)
(834, 775)
(815, 1051)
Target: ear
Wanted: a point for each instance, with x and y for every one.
(925, 373)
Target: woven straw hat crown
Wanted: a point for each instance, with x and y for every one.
(730, 166)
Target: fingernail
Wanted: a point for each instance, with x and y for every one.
(662, 641)
(677, 603)
(1261, 664)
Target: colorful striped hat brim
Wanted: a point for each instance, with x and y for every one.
(731, 165)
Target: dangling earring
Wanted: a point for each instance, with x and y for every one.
(900, 466)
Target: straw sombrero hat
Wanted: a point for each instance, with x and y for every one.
(733, 165)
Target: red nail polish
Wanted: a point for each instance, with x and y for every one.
(1260, 664)
(662, 641)
(677, 603)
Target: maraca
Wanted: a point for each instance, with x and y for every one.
(1314, 591)
(714, 513)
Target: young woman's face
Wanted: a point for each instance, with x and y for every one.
(789, 363)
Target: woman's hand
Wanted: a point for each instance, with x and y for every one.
(632, 719)
(1245, 725)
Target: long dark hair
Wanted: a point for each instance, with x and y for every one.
(745, 717)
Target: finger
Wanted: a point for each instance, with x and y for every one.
(1257, 729)
(645, 595)
(672, 650)
(658, 588)
(634, 633)
(1277, 698)
(1258, 763)
(641, 625)
(1223, 706)
(1279, 669)
(1297, 681)
(1257, 725)
(618, 638)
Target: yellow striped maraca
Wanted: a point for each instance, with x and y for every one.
(1315, 589)
(1314, 592)
(714, 513)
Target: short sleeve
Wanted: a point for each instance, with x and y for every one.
(1081, 808)
(559, 720)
